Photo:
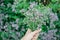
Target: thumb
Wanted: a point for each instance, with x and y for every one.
(35, 37)
(28, 31)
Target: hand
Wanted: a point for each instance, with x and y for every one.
(31, 35)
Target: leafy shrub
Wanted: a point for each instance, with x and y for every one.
(16, 16)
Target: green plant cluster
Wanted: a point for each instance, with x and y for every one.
(16, 16)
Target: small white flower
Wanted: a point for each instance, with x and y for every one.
(22, 10)
(17, 20)
(8, 5)
(2, 4)
(33, 4)
(6, 16)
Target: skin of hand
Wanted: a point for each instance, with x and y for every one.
(31, 35)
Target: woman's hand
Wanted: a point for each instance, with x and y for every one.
(31, 35)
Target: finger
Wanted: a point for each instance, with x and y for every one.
(30, 35)
(36, 31)
(35, 37)
(33, 33)
(28, 31)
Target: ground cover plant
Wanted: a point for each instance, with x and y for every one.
(16, 16)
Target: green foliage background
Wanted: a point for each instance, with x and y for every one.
(16, 16)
